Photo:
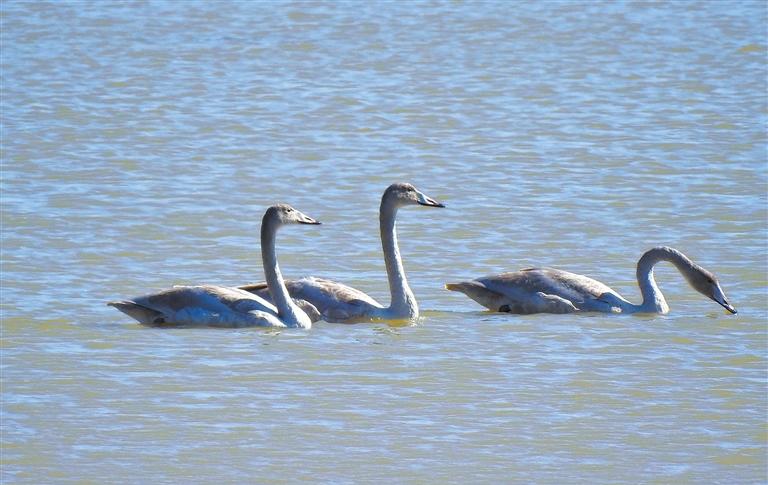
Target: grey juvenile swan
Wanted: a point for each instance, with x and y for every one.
(340, 303)
(546, 290)
(217, 306)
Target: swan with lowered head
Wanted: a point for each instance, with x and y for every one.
(546, 290)
(217, 306)
(340, 303)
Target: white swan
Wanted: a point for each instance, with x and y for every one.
(340, 303)
(547, 290)
(217, 306)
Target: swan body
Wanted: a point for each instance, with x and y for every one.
(217, 306)
(546, 290)
(207, 305)
(340, 303)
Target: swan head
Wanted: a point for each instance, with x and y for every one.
(406, 194)
(283, 214)
(706, 283)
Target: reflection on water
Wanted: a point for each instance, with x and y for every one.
(142, 142)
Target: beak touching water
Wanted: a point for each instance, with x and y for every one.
(728, 306)
(719, 297)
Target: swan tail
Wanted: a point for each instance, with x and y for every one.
(465, 287)
(256, 288)
(142, 314)
(452, 286)
(478, 292)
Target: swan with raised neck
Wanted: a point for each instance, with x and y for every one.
(217, 306)
(337, 302)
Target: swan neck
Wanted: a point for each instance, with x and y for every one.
(403, 302)
(287, 311)
(653, 300)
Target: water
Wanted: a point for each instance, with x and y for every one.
(142, 142)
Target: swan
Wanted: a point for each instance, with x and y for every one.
(217, 306)
(546, 290)
(340, 303)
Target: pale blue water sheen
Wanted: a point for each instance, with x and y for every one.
(142, 141)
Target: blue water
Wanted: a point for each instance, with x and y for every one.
(141, 143)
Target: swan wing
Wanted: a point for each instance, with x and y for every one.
(512, 300)
(530, 281)
(335, 301)
(201, 305)
(539, 290)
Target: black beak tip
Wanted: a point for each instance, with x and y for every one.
(729, 307)
(432, 203)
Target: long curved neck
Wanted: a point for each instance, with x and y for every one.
(653, 300)
(286, 310)
(403, 302)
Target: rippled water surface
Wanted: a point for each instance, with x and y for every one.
(142, 141)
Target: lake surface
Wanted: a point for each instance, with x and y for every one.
(142, 142)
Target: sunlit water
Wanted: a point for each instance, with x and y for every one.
(142, 142)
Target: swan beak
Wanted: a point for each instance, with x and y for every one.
(309, 220)
(719, 297)
(428, 201)
(728, 307)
